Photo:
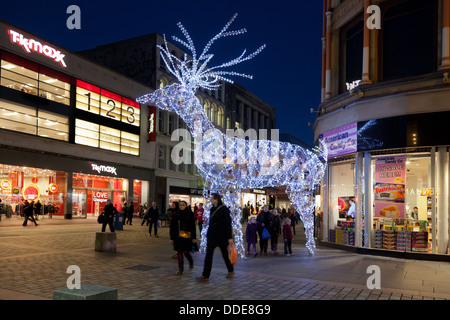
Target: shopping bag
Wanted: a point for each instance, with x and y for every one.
(232, 254)
(265, 234)
(101, 218)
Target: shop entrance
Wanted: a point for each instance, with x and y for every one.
(91, 192)
(79, 204)
(91, 202)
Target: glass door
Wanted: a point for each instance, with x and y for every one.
(79, 203)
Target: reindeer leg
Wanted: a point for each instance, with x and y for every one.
(207, 207)
(305, 208)
(233, 200)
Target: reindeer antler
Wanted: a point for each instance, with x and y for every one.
(194, 73)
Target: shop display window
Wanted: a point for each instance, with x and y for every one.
(94, 135)
(33, 82)
(34, 121)
(409, 226)
(140, 195)
(32, 184)
(341, 224)
(90, 193)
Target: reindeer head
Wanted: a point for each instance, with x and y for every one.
(192, 72)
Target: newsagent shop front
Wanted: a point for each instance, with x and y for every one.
(393, 198)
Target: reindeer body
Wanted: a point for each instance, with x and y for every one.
(292, 166)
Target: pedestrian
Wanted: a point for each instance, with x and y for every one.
(245, 214)
(153, 217)
(293, 218)
(219, 234)
(251, 235)
(183, 235)
(141, 211)
(51, 210)
(263, 221)
(275, 231)
(28, 210)
(199, 216)
(145, 218)
(174, 208)
(129, 211)
(110, 211)
(288, 237)
(37, 209)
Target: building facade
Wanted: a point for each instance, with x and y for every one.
(71, 133)
(229, 107)
(384, 116)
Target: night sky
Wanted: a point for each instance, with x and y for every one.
(287, 74)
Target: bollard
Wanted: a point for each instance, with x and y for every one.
(105, 242)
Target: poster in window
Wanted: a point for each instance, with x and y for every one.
(389, 187)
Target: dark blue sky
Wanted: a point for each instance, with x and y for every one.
(287, 74)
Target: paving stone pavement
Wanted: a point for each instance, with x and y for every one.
(34, 262)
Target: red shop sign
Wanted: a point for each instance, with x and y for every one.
(31, 192)
(12, 175)
(52, 187)
(5, 184)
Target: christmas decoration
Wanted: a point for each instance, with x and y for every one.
(226, 163)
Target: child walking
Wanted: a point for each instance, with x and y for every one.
(251, 235)
(288, 236)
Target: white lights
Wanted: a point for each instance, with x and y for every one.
(194, 73)
(230, 163)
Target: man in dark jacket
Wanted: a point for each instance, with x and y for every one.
(263, 221)
(129, 210)
(28, 212)
(219, 235)
(153, 216)
(110, 211)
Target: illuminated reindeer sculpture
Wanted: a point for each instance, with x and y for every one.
(230, 163)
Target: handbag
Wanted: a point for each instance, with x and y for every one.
(101, 218)
(265, 234)
(182, 233)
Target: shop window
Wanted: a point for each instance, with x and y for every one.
(32, 184)
(33, 82)
(90, 193)
(342, 204)
(94, 135)
(404, 223)
(33, 121)
(140, 196)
